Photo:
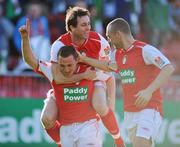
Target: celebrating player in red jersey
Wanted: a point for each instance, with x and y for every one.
(78, 119)
(143, 69)
(93, 45)
(108, 118)
(74, 101)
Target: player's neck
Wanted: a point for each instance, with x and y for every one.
(78, 40)
(128, 43)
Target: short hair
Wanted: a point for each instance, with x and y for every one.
(120, 24)
(72, 14)
(67, 51)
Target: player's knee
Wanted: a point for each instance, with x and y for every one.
(100, 106)
(47, 119)
(141, 142)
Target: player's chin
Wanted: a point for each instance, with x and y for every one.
(86, 35)
(68, 75)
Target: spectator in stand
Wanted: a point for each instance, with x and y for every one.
(97, 24)
(171, 48)
(109, 11)
(6, 31)
(39, 33)
(56, 18)
(174, 15)
(156, 18)
(13, 9)
(122, 9)
(81, 3)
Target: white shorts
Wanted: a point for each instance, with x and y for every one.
(102, 78)
(145, 123)
(81, 134)
(100, 84)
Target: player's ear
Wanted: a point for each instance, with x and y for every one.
(71, 28)
(119, 34)
(78, 58)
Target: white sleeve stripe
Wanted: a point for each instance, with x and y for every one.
(95, 39)
(46, 70)
(102, 76)
(54, 50)
(104, 46)
(113, 56)
(152, 55)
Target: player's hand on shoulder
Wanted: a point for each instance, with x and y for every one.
(112, 66)
(89, 74)
(81, 56)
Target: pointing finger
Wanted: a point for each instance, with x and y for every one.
(28, 24)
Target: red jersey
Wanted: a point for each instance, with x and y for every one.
(95, 47)
(138, 66)
(74, 101)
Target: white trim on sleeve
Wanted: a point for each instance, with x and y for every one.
(152, 55)
(54, 50)
(46, 69)
(105, 47)
(102, 76)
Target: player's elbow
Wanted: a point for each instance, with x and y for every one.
(169, 69)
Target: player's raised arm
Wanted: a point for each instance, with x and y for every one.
(27, 53)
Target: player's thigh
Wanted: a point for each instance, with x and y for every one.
(66, 136)
(142, 142)
(138, 141)
(99, 94)
(90, 136)
(145, 125)
(49, 111)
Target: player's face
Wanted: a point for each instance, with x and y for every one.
(67, 65)
(83, 27)
(114, 39)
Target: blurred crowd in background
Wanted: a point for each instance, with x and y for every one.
(153, 21)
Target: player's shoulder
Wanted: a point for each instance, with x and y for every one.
(45, 63)
(144, 46)
(57, 44)
(94, 35)
(139, 44)
(65, 38)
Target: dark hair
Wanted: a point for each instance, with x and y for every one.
(67, 51)
(72, 14)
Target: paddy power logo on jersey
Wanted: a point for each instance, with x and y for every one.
(75, 94)
(127, 76)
